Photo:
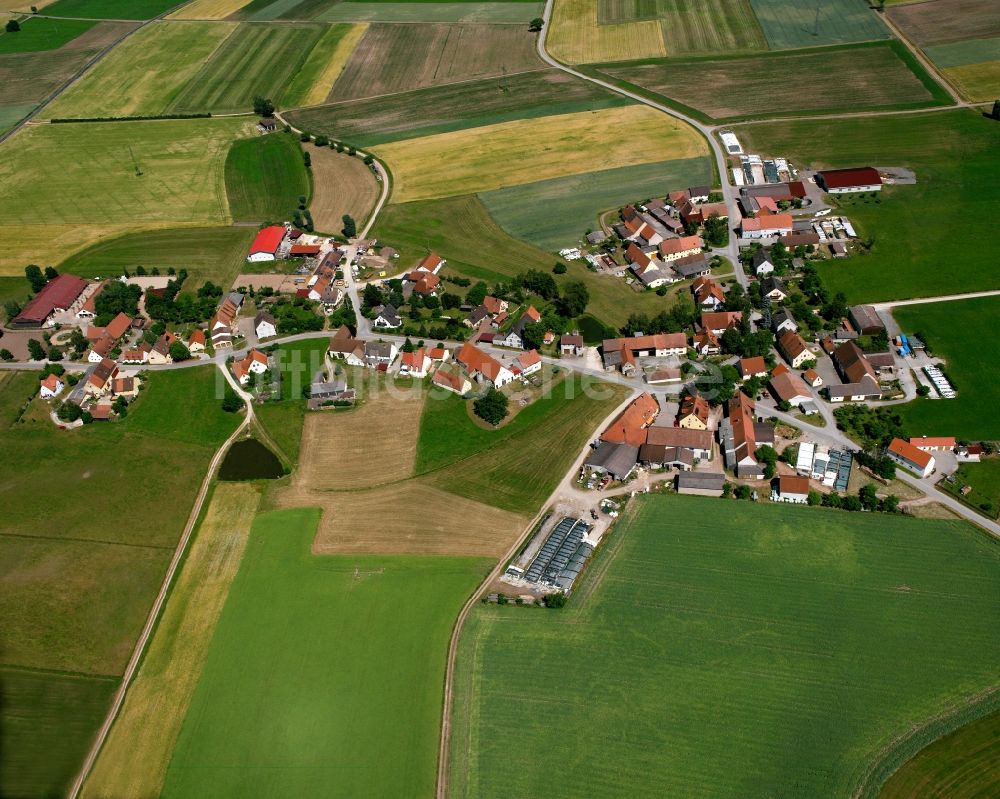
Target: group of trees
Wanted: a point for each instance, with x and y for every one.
(866, 499)
(116, 298)
(716, 231)
(172, 307)
(295, 315)
(37, 278)
(680, 316)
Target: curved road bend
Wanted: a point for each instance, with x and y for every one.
(161, 597)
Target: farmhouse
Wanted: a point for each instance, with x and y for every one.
(482, 366)
(859, 376)
(794, 349)
(255, 363)
(630, 425)
(719, 322)
(621, 353)
(688, 266)
(432, 262)
(703, 484)
(693, 413)
(423, 283)
(56, 296)
(50, 387)
(842, 181)
(571, 344)
(386, 317)
(528, 363)
(789, 387)
(910, 457)
(738, 436)
(452, 381)
(865, 319)
(934, 443)
(265, 246)
(659, 441)
(672, 249)
(265, 325)
(768, 226)
(708, 294)
(415, 364)
(791, 489)
(752, 367)
(616, 459)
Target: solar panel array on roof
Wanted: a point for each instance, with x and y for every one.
(562, 556)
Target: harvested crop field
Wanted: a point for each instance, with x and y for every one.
(342, 184)
(322, 68)
(134, 759)
(414, 517)
(255, 59)
(208, 9)
(50, 244)
(460, 162)
(790, 24)
(977, 82)
(867, 77)
(131, 80)
(495, 13)
(575, 36)
(947, 20)
(710, 26)
(454, 106)
(398, 58)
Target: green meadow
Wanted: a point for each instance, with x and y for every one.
(265, 176)
(789, 24)
(38, 34)
(110, 9)
(502, 12)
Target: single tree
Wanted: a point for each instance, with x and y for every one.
(231, 401)
(868, 497)
(50, 273)
(574, 299)
(13, 26)
(477, 293)
(179, 351)
(536, 24)
(35, 277)
(262, 106)
(559, 269)
(350, 229)
(36, 349)
(491, 407)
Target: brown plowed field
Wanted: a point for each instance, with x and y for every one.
(948, 20)
(342, 184)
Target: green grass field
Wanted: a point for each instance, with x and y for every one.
(880, 75)
(10, 115)
(360, 643)
(181, 163)
(215, 253)
(131, 80)
(265, 177)
(572, 204)
(721, 651)
(48, 720)
(300, 91)
(456, 106)
(110, 9)
(255, 59)
(947, 217)
(461, 229)
(503, 12)
(971, 51)
(962, 765)
(955, 331)
(38, 34)
(984, 480)
(789, 24)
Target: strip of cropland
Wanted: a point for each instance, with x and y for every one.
(265, 177)
(342, 184)
(397, 58)
(575, 37)
(881, 75)
(956, 331)
(213, 254)
(514, 13)
(962, 765)
(947, 20)
(789, 24)
(718, 653)
(133, 761)
(131, 80)
(362, 640)
(322, 68)
(77, 583)
(208, 9)
(460, 162)
(39, 34)
(128, 174)
(478, 248)
(949, 210)
(454, 106)
(110, 9)
(253, 60)
(713, 26)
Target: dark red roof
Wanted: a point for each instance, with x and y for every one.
(305, 249)
(268, 239)
(60, 292)
(847, 178)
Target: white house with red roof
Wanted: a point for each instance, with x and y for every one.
(415, 364)
(255, 363)
(432, 262)
(910, 457)
(265, 246)
(483, 366)
(51, 386)
(528, 363)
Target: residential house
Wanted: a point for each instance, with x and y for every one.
(528, 363)
(196, 341)
(694, 413)
(934, 443)
(97, 379)
(794, 349)
(386, 317)
(160, 352)
(344, 346)
(255, 363)
(672, 249)
(138, 355)
(125, 387)
(416, 363)
(718, 322)
(453, 381)
(476, 317)
(432, 262)
(265, 325)
(812, 378)
(438, 354)
(515, 336)
(789, 387)
(705, 342)
(910, 457)
(423, 283)
(773, 288)
(769, 226)
(752, 367)
(571, 344)
(380, 353)
(265, 246)
(842, 181)
(761, 263)
(51, 386)
(483, 366)
(699, 194)
(859, 376)
(782, 321)
(708, 294)
(494, 305)
(738, 437)
(792, 489)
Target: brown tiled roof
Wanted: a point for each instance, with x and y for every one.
(629, 427)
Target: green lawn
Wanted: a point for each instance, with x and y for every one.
(930, 239)
(265, 176)
(48, 721)
(344, 660)
(283, 423)
(111, 9)
(254, 60)
(38, 34)
(556, 213)
(454, 106)
(962, 765)
(984, 479)
(463, 232)
(216, 254)
(509, 12)
(729, 651)
(158, 412)
(789, 24)
(955, 331)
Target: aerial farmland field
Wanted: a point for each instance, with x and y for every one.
(454, 106)
(322, 68)
(342, 184)
(789, 24)
(265, 176)
(131, 80)
(208, 9)
(456, 163)
(572, 204)
(952, 155)
(365, 638)
(575, 37)
(868, 76)
(716, 26)
(517, 13)
(110, 9)
(398, 58)
(947, 20)
(716, 653)
(38, 34)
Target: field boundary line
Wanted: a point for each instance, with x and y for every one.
(161, 597)
(83, 540)
(925, 62)
(441, 791)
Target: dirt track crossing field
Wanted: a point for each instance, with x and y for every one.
(342, 184)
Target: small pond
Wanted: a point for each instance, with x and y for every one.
(250, 460)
